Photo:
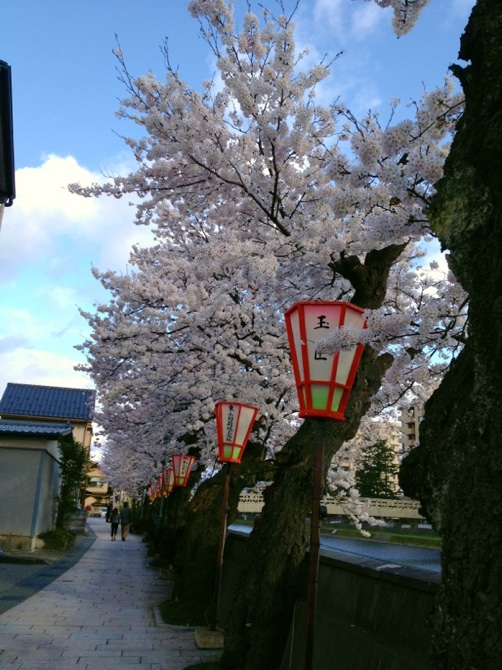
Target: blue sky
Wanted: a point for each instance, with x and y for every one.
(65, 95)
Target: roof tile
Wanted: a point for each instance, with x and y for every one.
(34, 428)
(48, 401)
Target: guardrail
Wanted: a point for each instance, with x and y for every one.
(399, 508)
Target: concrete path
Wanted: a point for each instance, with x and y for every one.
(100, 614)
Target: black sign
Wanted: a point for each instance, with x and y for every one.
(7, 183)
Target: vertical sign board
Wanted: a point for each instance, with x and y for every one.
(7, 184)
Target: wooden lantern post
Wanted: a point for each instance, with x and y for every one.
(234, 422)
(323, 383)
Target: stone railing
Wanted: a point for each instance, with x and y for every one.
(400, 508)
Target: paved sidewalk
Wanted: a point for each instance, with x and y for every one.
(100, 614)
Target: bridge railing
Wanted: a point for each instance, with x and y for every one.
(399, 508)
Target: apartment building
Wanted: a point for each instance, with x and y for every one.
(411, 418)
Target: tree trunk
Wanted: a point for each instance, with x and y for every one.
(457, 470)
(274, 576)
(256, 632)
(197, 540)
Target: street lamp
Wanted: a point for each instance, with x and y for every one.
(234, 422)
(323, 383)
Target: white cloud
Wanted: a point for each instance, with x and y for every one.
(61, 297)
(366, 18)
(47, 222)
(34, 366)
(348, 21)
(37, 346)
(49, 241)
(42, 192)
(330, 13)
(342, 27)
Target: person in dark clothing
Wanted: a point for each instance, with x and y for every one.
(125, 520)
(114, 520)
(109, 510)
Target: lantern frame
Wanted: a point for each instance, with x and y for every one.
(234, 423)
(323, 381)
(182, 466)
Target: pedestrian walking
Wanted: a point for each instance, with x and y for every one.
(114, 520)
(125, 520)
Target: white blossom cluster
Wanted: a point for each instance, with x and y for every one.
(406, 13)
(257, 195)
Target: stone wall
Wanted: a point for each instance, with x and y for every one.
(77, 521)
(368, 616)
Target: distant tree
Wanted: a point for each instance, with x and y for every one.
(377, 475)
(75, 463)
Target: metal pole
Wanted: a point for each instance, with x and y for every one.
(221, 548)
(315, 543)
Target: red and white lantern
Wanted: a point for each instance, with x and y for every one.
(234, 422)
(323, 381)
(168, 481)
(182, 466)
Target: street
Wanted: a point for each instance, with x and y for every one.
(402, 555)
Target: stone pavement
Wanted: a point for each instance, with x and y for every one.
(99, 613)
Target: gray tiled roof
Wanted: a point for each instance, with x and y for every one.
(47, 401)
(34, 428)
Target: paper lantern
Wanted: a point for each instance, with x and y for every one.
(168, 481)
(181, 469)
(234, 422)
(323, 381)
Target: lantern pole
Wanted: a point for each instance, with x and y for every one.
(234, 422)
(323, 382)
(221, 547)
(158, 521)
(315, 541)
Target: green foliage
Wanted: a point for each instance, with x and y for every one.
(58, 540)
(377, 475)
(176, 613)
(75, 463)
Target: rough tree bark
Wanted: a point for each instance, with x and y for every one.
(196, 545)
(457, 470)
(274, 576)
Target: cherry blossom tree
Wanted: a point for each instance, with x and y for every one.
(260, 197)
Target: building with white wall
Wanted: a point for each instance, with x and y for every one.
(29, 481)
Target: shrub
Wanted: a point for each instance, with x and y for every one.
(58, 540)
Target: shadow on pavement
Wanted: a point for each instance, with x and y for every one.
(24, 575)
